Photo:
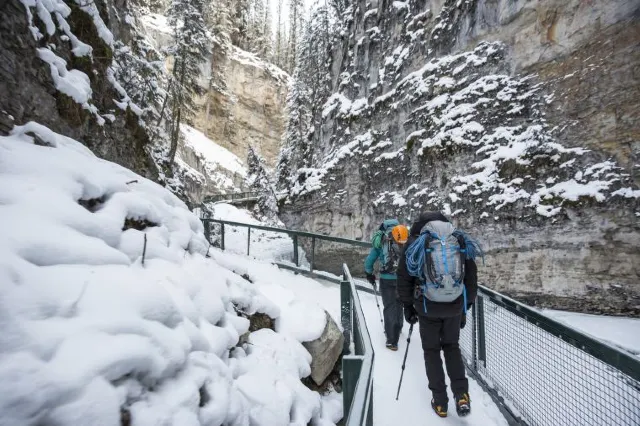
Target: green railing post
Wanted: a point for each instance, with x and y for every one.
(296, 261)
(369, 419)
(313, 254)
(248, 239)
(207, 230)
(357, 336)
(345, 314)
(474, 335)
(351, 366)
(222, 236)
(482, 349)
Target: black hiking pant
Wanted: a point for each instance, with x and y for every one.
(393, 316)
(442, 334)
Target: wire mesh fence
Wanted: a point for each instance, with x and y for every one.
(548, 374)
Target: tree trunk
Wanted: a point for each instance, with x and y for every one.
(176, 130)
(206, 120)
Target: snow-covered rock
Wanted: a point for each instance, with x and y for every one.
(325, 351)
(60, 68)
(210, 168)
(110, 308)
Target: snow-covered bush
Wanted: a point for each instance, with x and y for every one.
(112, 313)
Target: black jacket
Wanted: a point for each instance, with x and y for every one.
(406, 284)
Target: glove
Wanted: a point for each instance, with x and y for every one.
(410, 314)
(463, 321)
(372, 279)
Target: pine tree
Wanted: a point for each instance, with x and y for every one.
(240, 23)
(267, 30)
(296, 23)
(190, 48)
(309, 91)
(278, 58)
(260, 181)
(139, 68)
(219, 22)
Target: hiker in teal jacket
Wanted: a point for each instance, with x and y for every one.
(386, 247)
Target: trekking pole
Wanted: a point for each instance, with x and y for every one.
(404, 361)
(375, 292)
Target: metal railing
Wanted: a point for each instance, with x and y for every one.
(296, 237)
(250, 195)
(357, 353)
(357, 357)
(540, 372)
(544, 373)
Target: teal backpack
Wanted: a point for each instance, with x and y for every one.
(390, 251)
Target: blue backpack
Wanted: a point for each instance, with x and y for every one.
(437, 257)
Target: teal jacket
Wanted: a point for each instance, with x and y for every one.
(374, 255)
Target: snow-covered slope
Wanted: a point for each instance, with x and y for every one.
(211, 169)
(265, 245)
(110, 310)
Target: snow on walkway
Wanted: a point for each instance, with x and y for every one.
(413, 405)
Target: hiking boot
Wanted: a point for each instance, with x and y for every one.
(441, 410)
(392, 347)
(463, 404)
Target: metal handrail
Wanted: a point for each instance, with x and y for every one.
(292, 232)
(231, 197)
(357, 367)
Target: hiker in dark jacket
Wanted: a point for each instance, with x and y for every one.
(439, 322)
(386, 249)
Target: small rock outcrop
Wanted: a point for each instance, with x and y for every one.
(325, 351)
(252, 110)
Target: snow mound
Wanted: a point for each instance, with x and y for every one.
(110, 308)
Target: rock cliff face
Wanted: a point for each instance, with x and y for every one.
(252, 112)
(49, 55)
(517, 118)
